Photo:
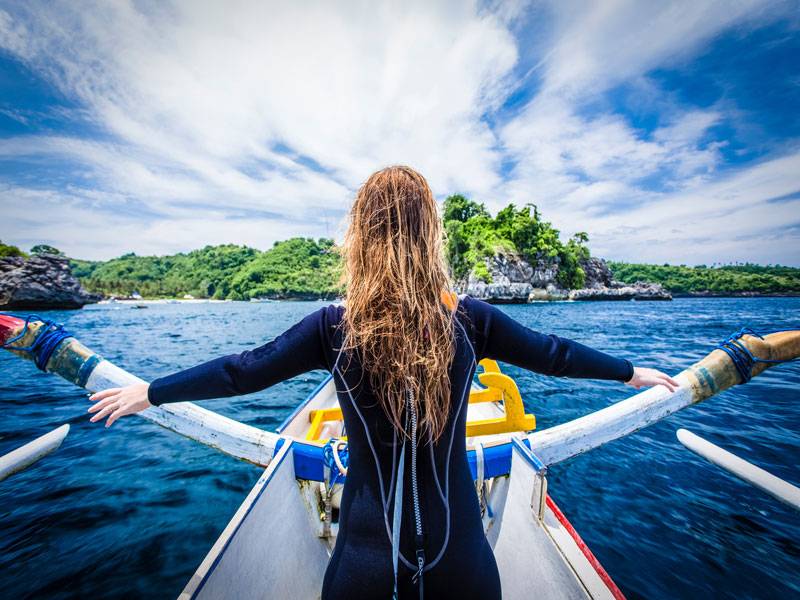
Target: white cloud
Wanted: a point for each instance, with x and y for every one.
(571, 163)
(351, 88)
(233, 104)
(600, 44)
(101, 225)
(735, 218)
(595, 171)
(200, 112)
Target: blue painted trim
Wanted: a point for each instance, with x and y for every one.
(525, 452)
(86, 369)
(221, 553)
(308, 462)
(303, 404)
(310, 465)
(496, 461)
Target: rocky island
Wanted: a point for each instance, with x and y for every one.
(516, 257)
(41, 281)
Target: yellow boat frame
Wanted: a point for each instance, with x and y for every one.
(498, 388)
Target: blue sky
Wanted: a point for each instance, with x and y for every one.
(669, 131)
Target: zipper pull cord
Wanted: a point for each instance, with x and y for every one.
(412, 411)
(417, 578)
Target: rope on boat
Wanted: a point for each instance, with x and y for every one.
(740, 355)
(336, 457)
(47, 339)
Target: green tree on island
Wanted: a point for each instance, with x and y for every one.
(473, 236)
(723, 280)
(296, 268)
(8, 250)
(46, 249)
(204, 273)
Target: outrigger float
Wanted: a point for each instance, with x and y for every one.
(26, 455)
(295, 501)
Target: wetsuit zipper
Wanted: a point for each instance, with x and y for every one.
(420, 553)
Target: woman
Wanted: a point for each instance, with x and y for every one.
(402, 355)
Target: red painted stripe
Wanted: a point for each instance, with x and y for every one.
(9, 326)
(612, 587)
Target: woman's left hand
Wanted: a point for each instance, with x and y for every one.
(118, 402)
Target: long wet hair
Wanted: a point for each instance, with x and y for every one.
(395, 279)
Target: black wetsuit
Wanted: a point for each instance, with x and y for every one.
(459, 561)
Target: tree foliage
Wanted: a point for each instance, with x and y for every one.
(473, 236)
(204, 273)
(8, 250)
(729, 279)
(296, 268)
(46, 249)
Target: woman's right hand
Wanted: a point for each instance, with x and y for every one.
(118, 402)
(644, 377)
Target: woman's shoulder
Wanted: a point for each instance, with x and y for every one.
(333, 318)
(325, 320)
(470, 312)
(332, 314)
(473, 307)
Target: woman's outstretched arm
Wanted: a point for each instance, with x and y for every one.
(500, 337)
(297, 350)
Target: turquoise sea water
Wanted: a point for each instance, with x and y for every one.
(132, 510)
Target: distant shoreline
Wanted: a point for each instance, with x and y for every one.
(129, 301)
(304, 269)
(735, 295)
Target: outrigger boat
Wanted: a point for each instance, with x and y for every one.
(280, 539)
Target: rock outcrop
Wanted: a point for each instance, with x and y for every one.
(621, 291)
(600, 285)
(512, 279)
(42, 281)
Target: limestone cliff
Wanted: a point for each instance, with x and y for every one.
(512, 279)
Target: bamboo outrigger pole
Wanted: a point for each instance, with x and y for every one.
(738, 467)
(714, 374)
(76, 363)
(26, 455)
